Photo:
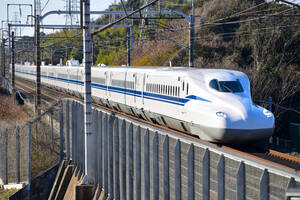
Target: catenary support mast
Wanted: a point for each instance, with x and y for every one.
(88, 129)
(13, 60)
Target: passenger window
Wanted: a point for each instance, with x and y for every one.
(173, 90)
(182, 86)
(187, 88)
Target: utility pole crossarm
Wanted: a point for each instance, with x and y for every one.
(121, 19)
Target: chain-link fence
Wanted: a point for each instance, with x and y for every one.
(30, 148)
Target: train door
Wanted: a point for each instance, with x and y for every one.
(125, 87)
(143, 85)
(139, 88)
(135, 87)
(107, 83)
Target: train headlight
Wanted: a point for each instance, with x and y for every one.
(221, 114)
(267, 113)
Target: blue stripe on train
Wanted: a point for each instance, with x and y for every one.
(147, 95)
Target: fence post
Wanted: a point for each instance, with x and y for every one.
(138, 163)
(110, 155)
(82, 139)
(130, 161)
(67, 132)
(18, 154)
(264, 185)
(5, 181)
(52, 130)
(61, 133)
(1, 158)
(240, 182)
(96, 149)
(166, 168)
(100, 150)
(290, 189)
(205, 175)
(190, 173)
(146, 166)
(75, 134)
(155, 167)
(79, 134)
(177, 169)
(221, 181)
(124, 157)
(29, 158)
(37, 133)
(105, 159)
(117, 159)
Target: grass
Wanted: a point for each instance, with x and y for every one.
(5, 194)
(44, 154)
(10, 111)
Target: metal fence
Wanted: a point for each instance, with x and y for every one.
(27, 149)
(133, 160)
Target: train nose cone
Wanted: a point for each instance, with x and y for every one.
(239, 109)
(242, 114)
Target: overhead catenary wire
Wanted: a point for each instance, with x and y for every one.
(235, 14)
(45, 6)
(166, 27)
(248, 31)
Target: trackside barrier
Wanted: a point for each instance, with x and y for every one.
(134, 160)
(26, 148)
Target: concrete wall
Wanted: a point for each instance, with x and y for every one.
(138, 161)
(40, 186)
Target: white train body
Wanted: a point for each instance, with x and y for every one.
(213, 104)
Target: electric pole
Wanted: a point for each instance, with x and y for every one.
(37, 60)
(192, 31)
(128, 47)
(89, 135)
(3, 57)
(13, 60)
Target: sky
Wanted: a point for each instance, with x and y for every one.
(15, 12)
(21, 14)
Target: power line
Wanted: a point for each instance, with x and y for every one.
(45, 6)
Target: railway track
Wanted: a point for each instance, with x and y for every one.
(269, 156)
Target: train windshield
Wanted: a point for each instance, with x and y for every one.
(226, 86)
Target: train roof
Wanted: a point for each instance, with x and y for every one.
(179, 71)
(175, 71)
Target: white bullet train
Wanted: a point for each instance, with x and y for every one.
(214, 104)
